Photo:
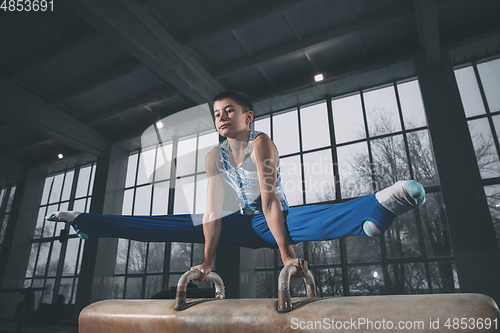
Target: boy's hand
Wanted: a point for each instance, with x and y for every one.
(204, 269)
(301, 264)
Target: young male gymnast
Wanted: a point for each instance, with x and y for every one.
(249, 162)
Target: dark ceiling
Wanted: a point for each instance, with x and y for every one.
(95, 72)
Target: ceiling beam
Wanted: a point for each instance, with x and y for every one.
(48, 55)
(99, 81)
(246, 16)
(427, 20)
(129, 107)
(27, 146)
(18, 104)
(11, 169)
(283, 51)
(140, 34)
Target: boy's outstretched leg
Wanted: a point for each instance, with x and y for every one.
(399, 198)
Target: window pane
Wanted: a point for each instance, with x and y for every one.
(55, 194)
(382, 111)
(291, 179)
(354, 170)
(263, 125)
(154, 284)
(264, 284)
(180, 257)
(411, 104)
(146, 166)
(40, 221)
(54, 258)
(444, 277)
(160, 198)
(128, 198)
(68, 183)
(92, 176)
(42, 259)
(80, 205)
(198, 253)
(184, 194)
(131, 169)
(366, 280)
(363, 249)
(206, 143)
(70, 260)
(118, 284)
(437, 240)
(201, 193)
(31, 263)
(156, 257)
(137, 257)
(142, 204)
(163, 162)
(390, 160)
(324, 252)
(83, 182)
(484, 147)
(134, 288)
(186, 155)
(121, 256)
(402, 237)
(328, 281)
(490, 77)
(48, 292)
(318, 175)
(469, 92)
(348, 119)
(286, 132)
(314, 126)
(49, 227)
(65, 289)
(493, 196)
(3, 227)
(80, 257)
(496, 123)
(422, 159)
(408, 278)
(2, 195)
(46, 190)
(264, 258)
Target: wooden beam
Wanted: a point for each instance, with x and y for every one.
(140, 34)
(328, 36)
(19, 104)
(426, 14)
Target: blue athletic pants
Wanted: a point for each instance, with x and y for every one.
(306, 223)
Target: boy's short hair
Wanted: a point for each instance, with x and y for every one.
(239, 97)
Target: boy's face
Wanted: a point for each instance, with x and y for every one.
(230, 118)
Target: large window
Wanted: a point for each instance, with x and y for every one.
(346, 147)
(55, 265)
(164, 179)
(478, 84)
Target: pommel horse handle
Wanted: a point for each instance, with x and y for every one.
(180, 296)
(284, 298)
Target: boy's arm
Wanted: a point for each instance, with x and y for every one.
(212, 217)
(266, 159)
